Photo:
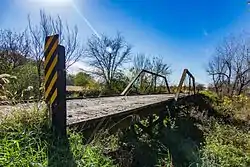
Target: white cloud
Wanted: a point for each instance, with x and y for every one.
(79, 66)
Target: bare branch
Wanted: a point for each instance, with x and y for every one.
(230, 67)
(68, 37)
(107, 56)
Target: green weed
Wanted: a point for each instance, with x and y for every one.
(226, 146)
(27, 140)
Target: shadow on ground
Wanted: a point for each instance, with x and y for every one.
(59, 152)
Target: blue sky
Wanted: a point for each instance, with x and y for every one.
(183, 32)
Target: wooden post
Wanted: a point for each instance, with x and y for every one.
(180, 84)
(55, 83)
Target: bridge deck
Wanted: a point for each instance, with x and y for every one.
(89, 109)
(94, 109)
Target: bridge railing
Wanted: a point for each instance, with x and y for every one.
(190, 79)
(127, 89)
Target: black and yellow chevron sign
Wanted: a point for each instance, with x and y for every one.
(50, 64)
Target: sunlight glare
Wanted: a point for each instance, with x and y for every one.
(53, 3)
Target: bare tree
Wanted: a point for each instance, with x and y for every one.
(49, 26)
(156, 65)
(140, 62)
(68, 37)
(107, 55)
(159, 67)
(14, 49)
(230, 66)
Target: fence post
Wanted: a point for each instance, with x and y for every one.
(55, 83)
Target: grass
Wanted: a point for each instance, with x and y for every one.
(27, 140)
(227, 140)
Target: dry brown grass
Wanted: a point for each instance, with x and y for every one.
(75, 88)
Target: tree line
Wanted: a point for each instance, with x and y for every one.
(22, 55)
(229, 67)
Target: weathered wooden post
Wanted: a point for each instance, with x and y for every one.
(55, 83)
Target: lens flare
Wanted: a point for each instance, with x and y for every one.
(52, 3)
(85, 19)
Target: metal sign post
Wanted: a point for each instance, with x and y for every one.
(55, 82)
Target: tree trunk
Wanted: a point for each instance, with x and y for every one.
(141, 86)
(155, 83)
(240, 89)
(39, 81)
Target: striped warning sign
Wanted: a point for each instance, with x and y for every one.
(50, 65)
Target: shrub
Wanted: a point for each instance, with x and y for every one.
(5, 79)
(226, 146)
(81, 79)
(236, 101)
(211, 95)
(238, 106)
(26, 79)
